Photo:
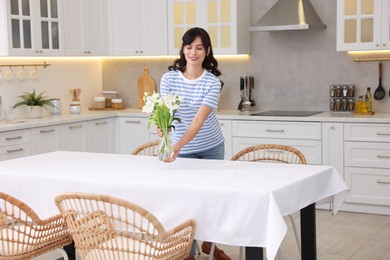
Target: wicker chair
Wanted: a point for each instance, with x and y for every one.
(270, 153)
(24, 235)
(150, 149)
(273, 153)
(106, 228)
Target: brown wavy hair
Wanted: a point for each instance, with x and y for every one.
(209, 63)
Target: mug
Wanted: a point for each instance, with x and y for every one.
(21, 74)
(34, 73)
(9, 74)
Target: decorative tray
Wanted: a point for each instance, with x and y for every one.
(106, 109)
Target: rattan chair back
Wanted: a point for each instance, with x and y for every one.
(24, 235)
(150, 149)
(104, 227)
(271, 153)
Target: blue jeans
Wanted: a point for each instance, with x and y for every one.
(216, 153)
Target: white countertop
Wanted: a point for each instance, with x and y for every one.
(342, 117)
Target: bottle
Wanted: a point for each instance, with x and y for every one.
(359, 104)
(369, 100)
(364, 104)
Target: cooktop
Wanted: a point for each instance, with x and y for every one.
(286, 113)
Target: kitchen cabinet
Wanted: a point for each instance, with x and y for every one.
(138, 27)
(86, 27)
(363, 25)
(305, 136)
(226, 126)
(227, 22)
(14, 144)
(333, 146)
(132, 132)
(45, 139)
(74, 137)
(31, 28)
(367, 163)
(101, 135)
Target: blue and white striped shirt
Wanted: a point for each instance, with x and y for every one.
(195, 93)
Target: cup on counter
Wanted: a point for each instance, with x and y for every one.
(8, 114)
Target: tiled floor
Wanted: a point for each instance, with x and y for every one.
(346, 236)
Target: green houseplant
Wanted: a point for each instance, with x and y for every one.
(34, 102)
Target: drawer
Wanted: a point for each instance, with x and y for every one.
(272, 129)
(362, 154)
(15, 151)
(14, 137)
(367, 132)
(310, 148)
(368, 186)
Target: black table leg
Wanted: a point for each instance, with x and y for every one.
(70, 251)
(308, 233)
(253, 253)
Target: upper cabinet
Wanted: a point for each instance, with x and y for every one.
(227, 22)
(31, 28)
(363, 25)
(85, 27)
(138, 27)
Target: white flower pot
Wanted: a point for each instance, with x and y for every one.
(34, 111)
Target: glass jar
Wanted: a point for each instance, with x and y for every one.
(116, 103)
(99, 102)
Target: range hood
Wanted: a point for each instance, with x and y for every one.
(289, 15)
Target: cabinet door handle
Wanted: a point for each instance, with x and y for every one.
(15, 150)
(274, 130)
(383, 156)
(381, 133)
(133, 121)
(74, 126)
(383, 181)
(13, 138)
(46, 131)
(101, 123)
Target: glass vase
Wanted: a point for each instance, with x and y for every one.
(165, 149)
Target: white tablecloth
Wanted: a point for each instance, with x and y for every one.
(235, 203)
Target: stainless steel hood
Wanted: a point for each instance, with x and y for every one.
(289, 15)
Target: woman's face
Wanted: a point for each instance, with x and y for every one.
(195, 52)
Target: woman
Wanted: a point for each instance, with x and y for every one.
(194, 77)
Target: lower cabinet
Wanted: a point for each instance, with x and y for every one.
(45, 139)
(101, 136)
(367, 164)
(132, 132)
(305, 136)
(226, 126)
(74, 137)
(14, 144)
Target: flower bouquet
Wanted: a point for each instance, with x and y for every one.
(162, 113)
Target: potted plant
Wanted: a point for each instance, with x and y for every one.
(35, 103)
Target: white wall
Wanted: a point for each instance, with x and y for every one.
(55, 80)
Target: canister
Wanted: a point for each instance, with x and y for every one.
(99, 102)
(116, 103)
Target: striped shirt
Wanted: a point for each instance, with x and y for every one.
(203, 91)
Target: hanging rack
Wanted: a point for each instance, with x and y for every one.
(45, 64)
(370, 59)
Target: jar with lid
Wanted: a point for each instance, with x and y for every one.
(99, 102)
(116, 103)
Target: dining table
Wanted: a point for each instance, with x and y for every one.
(232, 202)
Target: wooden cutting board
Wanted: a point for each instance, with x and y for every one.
(145, 84)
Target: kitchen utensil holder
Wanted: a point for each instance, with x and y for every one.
(342, 97)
